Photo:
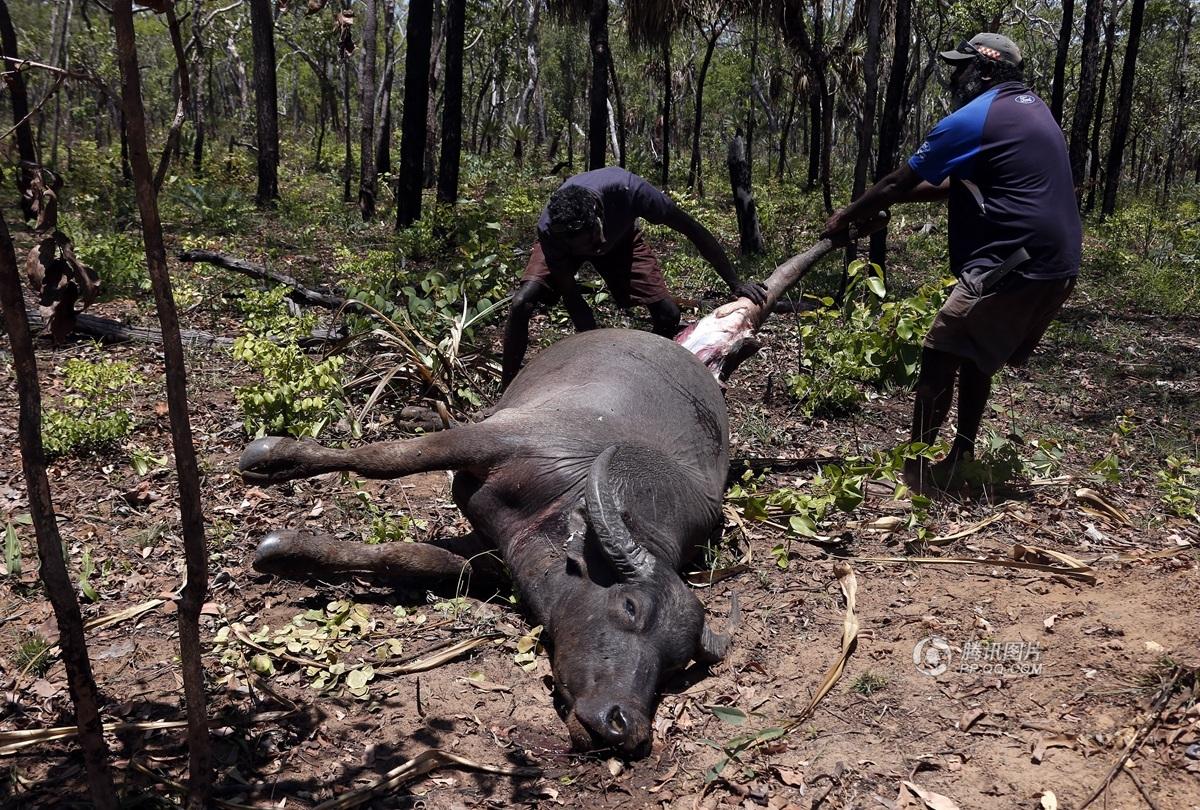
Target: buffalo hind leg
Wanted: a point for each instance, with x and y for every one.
(277, 458)
(297, 555)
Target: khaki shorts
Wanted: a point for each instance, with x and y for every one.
(1001, 327)
(630, 271)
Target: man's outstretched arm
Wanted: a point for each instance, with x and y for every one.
(715, 255)
(902, 185)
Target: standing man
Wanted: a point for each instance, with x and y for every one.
(1014, 232)
(592, 217)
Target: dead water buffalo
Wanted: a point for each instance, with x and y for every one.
(596, 476)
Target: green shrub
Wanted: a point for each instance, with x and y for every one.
(118, 258)
(297, 397)
(94, 415)
(212, 207)
(1179, 486)
(872, 342)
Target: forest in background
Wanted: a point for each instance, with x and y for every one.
(376, 170)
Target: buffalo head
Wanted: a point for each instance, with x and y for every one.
(622, 625)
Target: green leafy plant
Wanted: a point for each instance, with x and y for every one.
(1179, 486)
(32, 654)
(12, 551)
(868, 683)
(869, 341)
(86, 569)
(211, 207)
(94, 414)
(298, 396)
(118, 258)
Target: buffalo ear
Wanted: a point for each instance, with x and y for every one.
(712, 647)
(577, 528)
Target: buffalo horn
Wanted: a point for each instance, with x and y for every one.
(714, 646)
(632, 562)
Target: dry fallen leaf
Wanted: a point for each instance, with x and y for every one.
(914, 797)
(1047, 742)
(970, 718)
(1048, 622)
(1049, 800)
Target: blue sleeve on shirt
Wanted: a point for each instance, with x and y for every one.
(951, 145)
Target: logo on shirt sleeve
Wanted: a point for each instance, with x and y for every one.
(1024, 99)
(925, 147)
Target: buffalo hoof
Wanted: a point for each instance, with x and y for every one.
(272, 459)
(286, 553)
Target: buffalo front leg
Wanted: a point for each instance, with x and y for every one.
(277, 458)
(296, 555)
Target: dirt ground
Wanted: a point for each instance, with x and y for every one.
(1086, 671)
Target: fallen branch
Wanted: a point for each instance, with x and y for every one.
(1143, 732)
(300, 293)
(110, 331)
(1078, 570)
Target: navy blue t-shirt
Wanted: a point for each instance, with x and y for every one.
(1010, 187)
(624, 197)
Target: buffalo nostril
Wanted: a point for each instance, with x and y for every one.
(615, 720)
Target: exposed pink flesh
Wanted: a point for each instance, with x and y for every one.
(716, 334)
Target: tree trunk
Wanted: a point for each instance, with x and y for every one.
(447, 190)
(1120, 130)
(668, 87)
(521, 117)
(191, 514)
(53, 571)
(785, 133)
(262, 26)
(348, 155)
(619, 129)
(1087, 93)
(866, 125)
(366, 111)
(892, 122)
(598, 97)
(751, 240)
(429, 158)
(199, 96)
(416, 103)
(695, 181)
(756, 11)
(26, 150)
(61, 58)
(383, 141)
(815, 117)
(1110, 38)
(1060, 58)
(1181, 86)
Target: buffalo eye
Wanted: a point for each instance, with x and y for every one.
(630, 608)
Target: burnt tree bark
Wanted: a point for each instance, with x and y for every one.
(1060, 59)
(1124, 109)
(447, 191)
(1110, 30)
(668, 86)
(1085, 99)
(26, 150)
(262, 27)
(383, 140)
(191, 513)
(181, 103)
(53, 571)
(416, 104)
(891, 122)
(749, 232)
(695, 180)
(598, 97)
(366, 139)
